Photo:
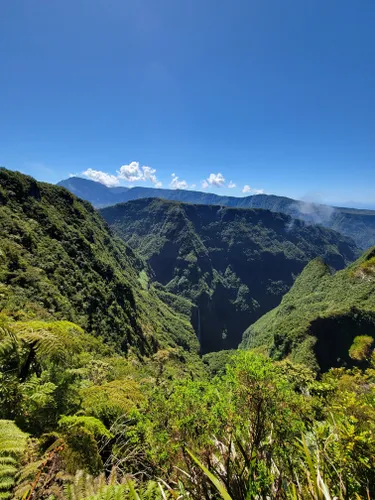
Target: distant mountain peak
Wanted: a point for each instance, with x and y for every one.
(358, 224)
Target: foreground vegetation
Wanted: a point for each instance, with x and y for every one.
(79, 421)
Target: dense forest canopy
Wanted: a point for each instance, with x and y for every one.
(59, 259)
(103, 394)
(233, 264)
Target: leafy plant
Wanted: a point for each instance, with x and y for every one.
(12, 446)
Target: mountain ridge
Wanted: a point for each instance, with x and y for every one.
(233, 263)
(358, 224)
(58, 256)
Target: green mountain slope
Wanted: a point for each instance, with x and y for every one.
(234, 264)
(321, 315)
(358, 224)
(354, 223)
(58, 259)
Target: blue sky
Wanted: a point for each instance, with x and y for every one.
(275, 95)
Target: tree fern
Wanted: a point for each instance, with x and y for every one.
(46, 344)
(22, 344)
(9, 347)
(12, 446)
(40, 343)
(54, 340)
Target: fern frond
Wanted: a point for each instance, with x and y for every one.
(39, 392)
(8, 470)
(112, 478)
(100, 482)
(12, 446)
(5, 496)
(12, 439)
(55, 340)
(46, 344)
(133, 494)
(84, 487)
(7, 460)
(81, 487)
(9, 345)
(25, 477)
(21, 492)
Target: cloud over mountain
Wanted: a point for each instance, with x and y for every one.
(129, 173)
(133, 173)
(176, 184)
(248, 189)
(102, 177)
(217, 180)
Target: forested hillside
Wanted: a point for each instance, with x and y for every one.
(319, 318)
(103, 395)
(234, 264)
(354, 223)
(58, 259)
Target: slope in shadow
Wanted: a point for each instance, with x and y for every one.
(335, 336)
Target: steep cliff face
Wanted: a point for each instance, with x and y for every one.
(321, 315)
(59, 259)
(234, 264)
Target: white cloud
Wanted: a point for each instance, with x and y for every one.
(231, 185)
(158, 184)
(133, 173)
(216, 180)
(193, 186)
(248, 189)
(149, 174)
(205, 184)
(176, 184)
(102, 177)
